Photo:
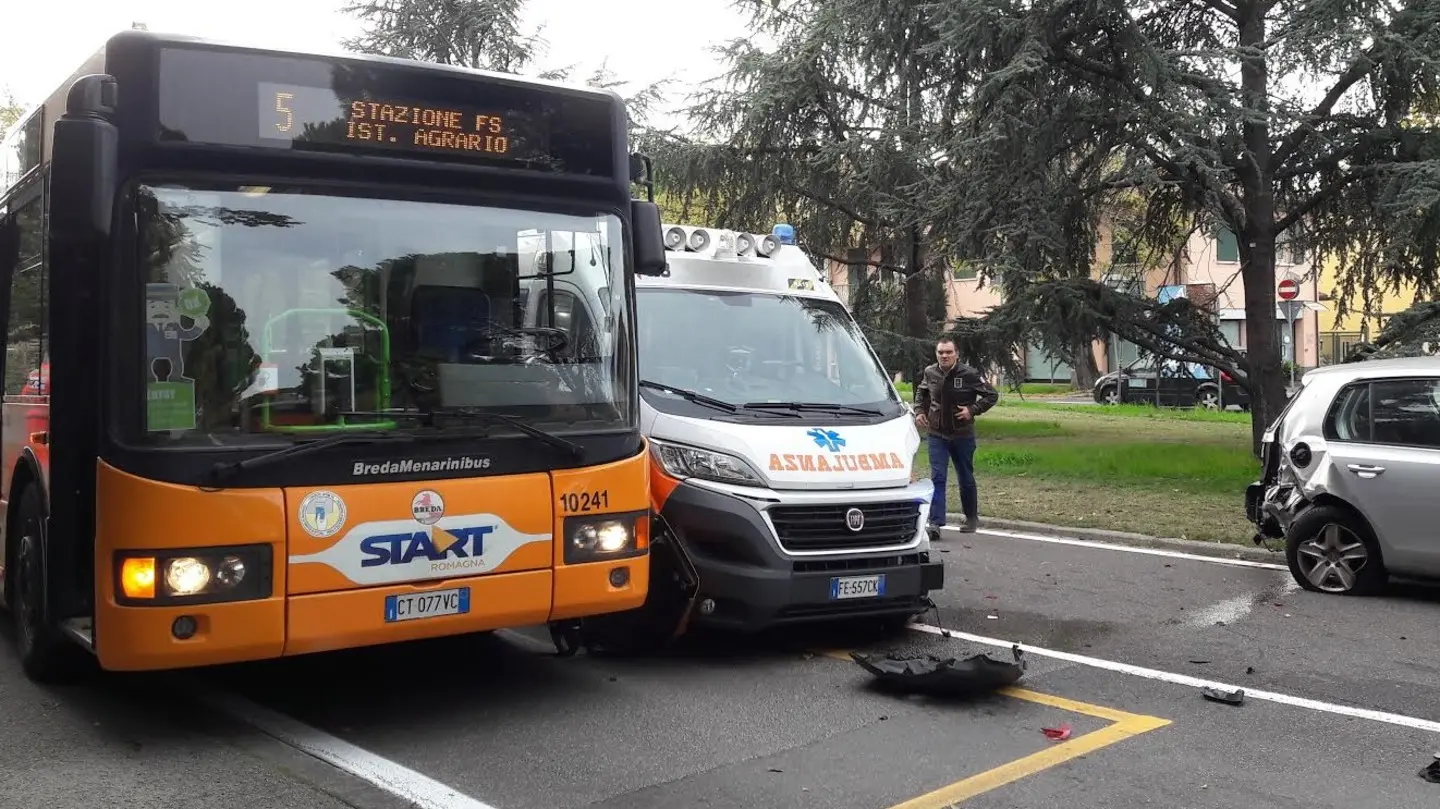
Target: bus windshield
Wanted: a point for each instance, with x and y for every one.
(748, 347)
(291, 311)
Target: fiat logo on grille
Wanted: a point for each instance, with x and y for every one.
(854, 519)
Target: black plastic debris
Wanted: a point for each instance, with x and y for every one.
(1236, 697)
(1432, 772)
(931, 674)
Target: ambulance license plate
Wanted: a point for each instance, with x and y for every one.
(842, 587)
(412, 606)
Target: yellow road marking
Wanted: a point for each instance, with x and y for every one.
(1123, 725)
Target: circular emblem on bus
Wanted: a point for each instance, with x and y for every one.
(854, 519)
(321, 513)
(427, 507)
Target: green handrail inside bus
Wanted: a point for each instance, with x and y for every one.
(382, 383)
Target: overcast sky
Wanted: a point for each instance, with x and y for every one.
(644, 40)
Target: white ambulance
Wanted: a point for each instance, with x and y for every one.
(781, 451)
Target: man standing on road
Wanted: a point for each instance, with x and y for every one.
(949, 397)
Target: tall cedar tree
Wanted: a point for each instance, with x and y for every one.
(1003, 132)
(481, 34)
(829, 131)
(1299, 121)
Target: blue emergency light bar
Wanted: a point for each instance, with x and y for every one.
(784, 233)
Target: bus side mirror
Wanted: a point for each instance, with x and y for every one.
(648, 238)
(83, 176)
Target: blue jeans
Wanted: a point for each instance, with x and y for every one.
(960, 451)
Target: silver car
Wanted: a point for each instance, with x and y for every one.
(1349, 471)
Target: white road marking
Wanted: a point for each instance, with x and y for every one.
(1194, 682)
(419, 790)
(1110, 546)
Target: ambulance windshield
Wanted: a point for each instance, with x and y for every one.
(748, 347)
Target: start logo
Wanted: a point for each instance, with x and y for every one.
(392, 551)
(446, 549)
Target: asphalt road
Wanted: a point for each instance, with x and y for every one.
(788, 722)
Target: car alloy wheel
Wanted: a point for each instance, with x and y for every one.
(1332, 559)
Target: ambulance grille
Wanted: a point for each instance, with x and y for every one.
(823, 528)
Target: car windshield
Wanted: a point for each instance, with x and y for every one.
(748, 347)
(270, 311)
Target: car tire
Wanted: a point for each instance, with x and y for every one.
(46, 655)
(1329, 538)
(1108, 395)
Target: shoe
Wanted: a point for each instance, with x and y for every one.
(970, 525)
(932, 531)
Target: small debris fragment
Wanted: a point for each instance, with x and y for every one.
(1200, 662)
(613, 678)
(1236, 697)
(1219, 623)
(993, 617)
(884, 718)
(1059, 734)
(992, 598)
(776, 769)
(1167, 564)
(1249, 669)
(1432, 772)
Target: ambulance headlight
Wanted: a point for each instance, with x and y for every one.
(680, 461)
(599, 537)
(675, 238)
(192, 575)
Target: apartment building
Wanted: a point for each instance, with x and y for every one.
(1206, 270)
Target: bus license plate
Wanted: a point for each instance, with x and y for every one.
(410, 606)
(842, 587)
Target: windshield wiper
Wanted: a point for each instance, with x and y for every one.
(813, 406)
(221, 470)
(575, 450)
(427, 418)
(691, 396)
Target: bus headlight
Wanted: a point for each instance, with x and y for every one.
(680, 461)
(193, 575)
(598, 537)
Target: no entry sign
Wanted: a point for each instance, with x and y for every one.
(1288, 289)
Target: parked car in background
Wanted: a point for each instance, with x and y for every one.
(1347, 473)
(1168, 383)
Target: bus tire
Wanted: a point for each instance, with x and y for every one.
(46, 655)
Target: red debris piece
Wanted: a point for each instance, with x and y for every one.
(1059, 734)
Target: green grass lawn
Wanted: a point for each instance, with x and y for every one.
(1155, 471)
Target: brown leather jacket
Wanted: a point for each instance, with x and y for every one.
(941, 392)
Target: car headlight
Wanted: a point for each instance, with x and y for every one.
(193, 575)
(598, 537)
(680, 461)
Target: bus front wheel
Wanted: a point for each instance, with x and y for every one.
(45, 654)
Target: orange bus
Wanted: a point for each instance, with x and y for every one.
(308, 382)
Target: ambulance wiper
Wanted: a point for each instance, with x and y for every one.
(302, 447)
(813, 406)
(691, 396)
